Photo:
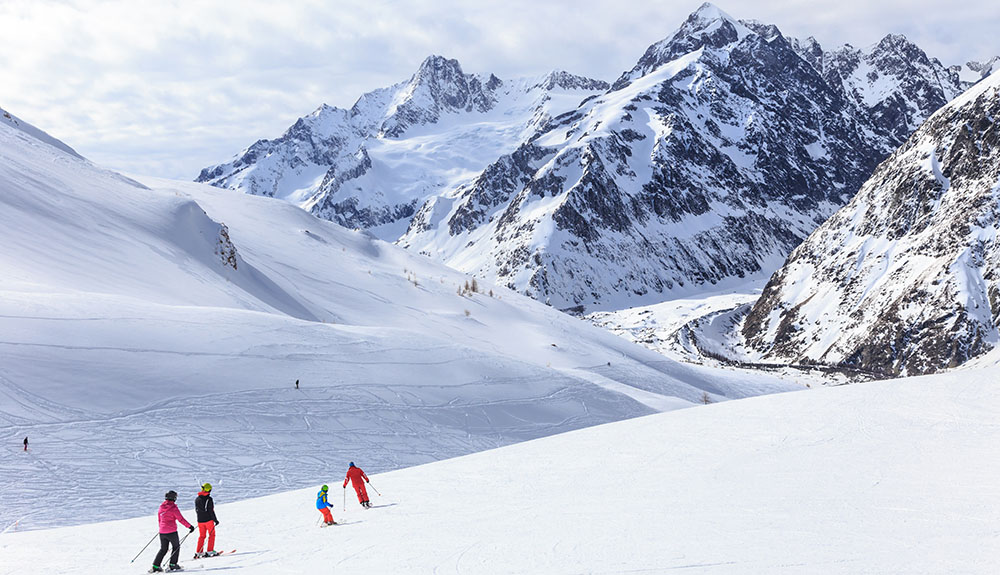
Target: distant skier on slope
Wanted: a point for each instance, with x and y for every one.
(168, 515)
(355, 476)
(26, 443)
(204, 506)
(324, 506)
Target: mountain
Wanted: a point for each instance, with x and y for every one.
(837, 481)
(894, 83)
(706, 163)
(373, 165)
(902, 280)
(152, 334)
(701, 167)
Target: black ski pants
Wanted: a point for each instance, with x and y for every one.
(167, 539)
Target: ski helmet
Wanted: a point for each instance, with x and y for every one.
(206, 487)
(171, 495)
(325, 488)
(352, 464)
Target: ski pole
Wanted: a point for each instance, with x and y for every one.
(345, 498)
(373, 487)
(185, 537)
(143, 549)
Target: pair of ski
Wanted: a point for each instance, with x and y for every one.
(168, 570)
(231, 551)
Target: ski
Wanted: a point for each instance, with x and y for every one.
(216, 555)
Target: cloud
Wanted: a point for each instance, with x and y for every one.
(167, 87)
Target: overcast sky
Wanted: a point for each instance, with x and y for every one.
(166, 88)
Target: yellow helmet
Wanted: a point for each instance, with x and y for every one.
(206, 487)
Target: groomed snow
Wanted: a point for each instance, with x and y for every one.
(885, 477)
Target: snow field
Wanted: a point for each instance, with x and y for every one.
(885, 477)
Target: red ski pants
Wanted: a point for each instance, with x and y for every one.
(206, 528)
(326, 515)
(362, 492)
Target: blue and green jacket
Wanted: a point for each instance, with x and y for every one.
(321, 501)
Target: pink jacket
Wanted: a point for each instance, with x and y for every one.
(169, 513)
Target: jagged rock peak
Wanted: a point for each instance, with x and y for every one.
(567, 81)
(708, 26)
(810, 51)
(437, 69)
(439, 86)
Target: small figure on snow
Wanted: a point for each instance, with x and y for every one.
(296, 384)
(324, 506)
(204, 506)
(26, 443)
(168, 515)
(355, 476)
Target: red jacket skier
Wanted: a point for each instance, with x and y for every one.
(355, 476)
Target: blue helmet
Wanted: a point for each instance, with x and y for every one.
(352, 464)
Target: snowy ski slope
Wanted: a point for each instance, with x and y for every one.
(884, 477)
(151, 333)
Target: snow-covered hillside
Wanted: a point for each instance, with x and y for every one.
(903, 280)
(886, 477)
(151, 334)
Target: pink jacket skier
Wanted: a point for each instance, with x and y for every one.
(168, 517)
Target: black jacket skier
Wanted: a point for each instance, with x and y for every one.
(205, 507)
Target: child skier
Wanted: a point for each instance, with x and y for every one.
(324, 506)
(168, 516)
(355, 475)
(205, 508)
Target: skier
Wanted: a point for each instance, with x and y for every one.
(355, 475)
(204, 506)
(168, 516)
(26, 443)
(296, 384)
(324, 506)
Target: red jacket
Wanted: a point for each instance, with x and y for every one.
(354, 474)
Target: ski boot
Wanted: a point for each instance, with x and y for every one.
(156, 569)
(210, 554)
(174, 567)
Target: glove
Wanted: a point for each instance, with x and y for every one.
(216, 521)
(191, 529)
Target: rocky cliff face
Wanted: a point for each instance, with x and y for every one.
(903, 280)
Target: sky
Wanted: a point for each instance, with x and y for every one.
(168, 87)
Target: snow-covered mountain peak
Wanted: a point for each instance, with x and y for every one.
(706, 15)
(708, 27)
(439, 86)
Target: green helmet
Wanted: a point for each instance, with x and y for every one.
(206, 487)
(325, 488)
